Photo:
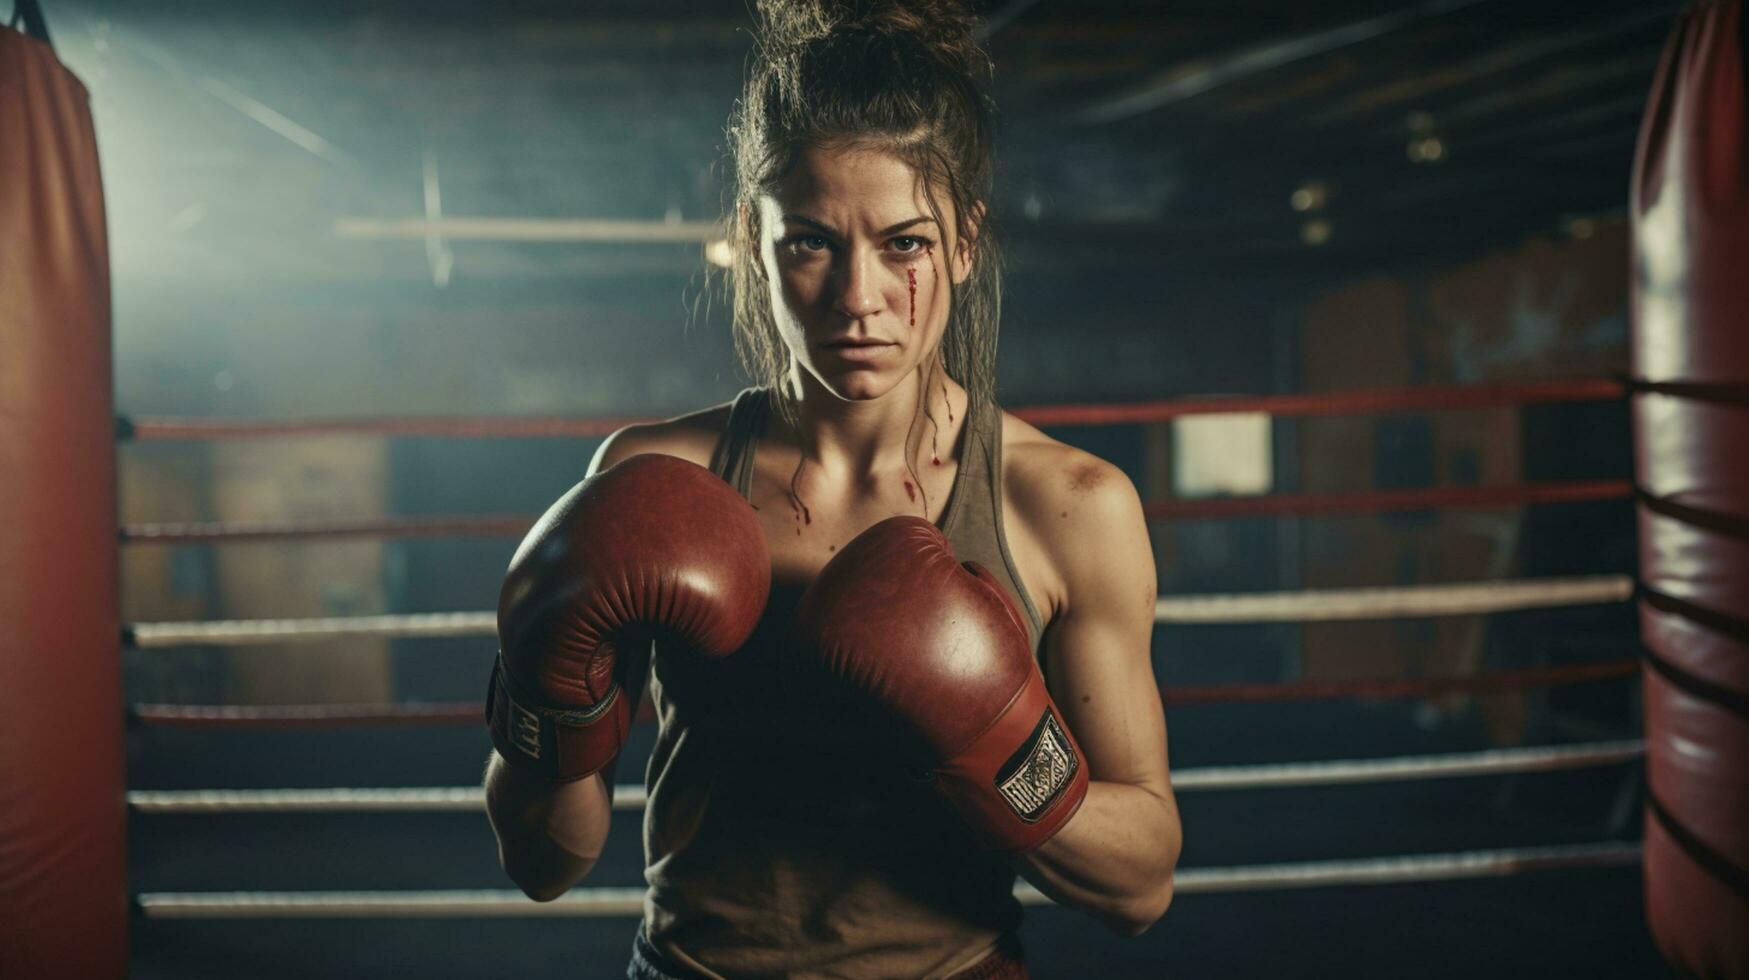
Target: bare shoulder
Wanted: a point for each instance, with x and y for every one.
(692, 437)
(1082, 512)
(1051, 482)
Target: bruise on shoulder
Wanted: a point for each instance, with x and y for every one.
(1084, 478)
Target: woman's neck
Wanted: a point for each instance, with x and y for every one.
(915, 425)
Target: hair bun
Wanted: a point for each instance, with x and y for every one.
(948, 29)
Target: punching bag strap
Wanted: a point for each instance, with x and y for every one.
(1717, 865)
(30, 14)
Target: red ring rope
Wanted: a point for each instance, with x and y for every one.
(510, 525)
(1377, 501)
(442, 526)
(161, 429)
(1363, 401)
(308, 716)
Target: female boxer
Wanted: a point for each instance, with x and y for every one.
(850, 768)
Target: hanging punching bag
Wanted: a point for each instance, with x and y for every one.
(63, 888)
(1690, 212)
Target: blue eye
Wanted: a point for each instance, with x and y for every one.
(807, 243)
(907, 244)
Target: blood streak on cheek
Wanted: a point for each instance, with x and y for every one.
(911, 275)
(911, 491)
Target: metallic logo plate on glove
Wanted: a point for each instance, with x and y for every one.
(1032, 779)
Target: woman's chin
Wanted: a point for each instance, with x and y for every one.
(858, 384)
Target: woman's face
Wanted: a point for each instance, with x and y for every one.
(855, 265)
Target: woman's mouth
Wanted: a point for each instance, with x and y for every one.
(860, 350)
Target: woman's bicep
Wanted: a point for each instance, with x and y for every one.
(1098, 648)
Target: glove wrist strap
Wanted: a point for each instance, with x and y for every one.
(1020, 781)
(564, 744)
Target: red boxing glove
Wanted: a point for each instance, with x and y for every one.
(939, 647)
(652, 547)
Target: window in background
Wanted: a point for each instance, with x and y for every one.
(1221, 455)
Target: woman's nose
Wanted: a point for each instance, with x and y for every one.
(859, 294)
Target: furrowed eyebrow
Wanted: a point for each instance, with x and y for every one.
(901, 226)
(802, 219)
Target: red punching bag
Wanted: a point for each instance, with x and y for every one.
(63, 888)
(1690, 210)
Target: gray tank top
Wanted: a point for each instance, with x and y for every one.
(773, 852)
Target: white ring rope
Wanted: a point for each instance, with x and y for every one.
(1350, 771)
(615, 902)
(229, 631)
(424, 799)
(631, 796)
(1395, 870)
(1456, 599)
(483, 902)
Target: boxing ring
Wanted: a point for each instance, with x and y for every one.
(1317, 605)
(1688, 397)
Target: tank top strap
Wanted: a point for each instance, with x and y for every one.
(972, 521)
(973, 518)
(732, 459)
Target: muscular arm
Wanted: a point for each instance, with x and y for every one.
(550, 834)
(1115, 858)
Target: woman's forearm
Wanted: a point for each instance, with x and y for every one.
(1113, 859)
(549, 834)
